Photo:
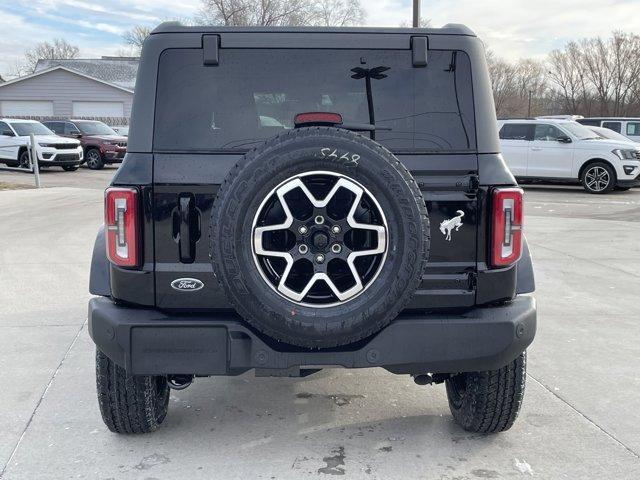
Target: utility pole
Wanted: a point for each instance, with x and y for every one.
(529, 109)
(416, 13)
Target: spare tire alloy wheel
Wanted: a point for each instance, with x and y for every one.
(319, 237)
(320, 269)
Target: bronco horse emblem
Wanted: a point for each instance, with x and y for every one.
(447, 226)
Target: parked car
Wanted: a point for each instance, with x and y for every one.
(232, 243)
(610, 134)
(565, 151)
(561, 117)
(628, 126)
(101, 144)
(121, 130)
(52, 150)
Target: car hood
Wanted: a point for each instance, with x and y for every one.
(107, 138)
(56, 139)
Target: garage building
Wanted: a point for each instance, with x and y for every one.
(100, 89)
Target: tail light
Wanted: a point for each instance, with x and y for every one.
(506, 240)
(121, 221)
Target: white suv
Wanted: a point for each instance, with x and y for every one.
(563, 150)
(52, 150)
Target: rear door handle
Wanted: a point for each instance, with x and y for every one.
(536, 149)
(189, 228)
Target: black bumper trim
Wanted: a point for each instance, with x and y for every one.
(148, 341)
(629, 183)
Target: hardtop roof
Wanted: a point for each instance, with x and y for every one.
(449, 29)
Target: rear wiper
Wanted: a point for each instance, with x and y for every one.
(362, 127)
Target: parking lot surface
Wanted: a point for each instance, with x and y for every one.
(580, 419)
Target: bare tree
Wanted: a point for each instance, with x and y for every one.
(504, 84)
(60, 49)
(625, 70)
(424, 23)
(274, 13)
(339, 13)
(566, 72)
(136, 36)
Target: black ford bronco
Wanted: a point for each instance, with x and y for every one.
(295, 199)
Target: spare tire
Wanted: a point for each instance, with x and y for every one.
(319, 237)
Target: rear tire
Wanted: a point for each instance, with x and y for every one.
(130, 403)
(94, 160)
(488, 402)
(598, 178)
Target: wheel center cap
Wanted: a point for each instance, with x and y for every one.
(320, 240)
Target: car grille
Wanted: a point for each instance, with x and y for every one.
(121, 144)
(638, 154)
(68, 157)
(65, 146)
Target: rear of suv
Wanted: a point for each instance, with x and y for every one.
(568, 152)
(101, 144)
(294, 199)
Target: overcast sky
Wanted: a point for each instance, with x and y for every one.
(512, 28)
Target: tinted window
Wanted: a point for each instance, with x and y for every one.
(56, 127)
(95, 128)
(615, 126)
(633, 128)
(548, 133)
(4, 128)
(593, 123)
(517, 131)
(255, 94)
(70, 129)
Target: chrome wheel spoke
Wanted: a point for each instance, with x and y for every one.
(311, 270)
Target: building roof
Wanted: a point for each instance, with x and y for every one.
(117, 71)
(61, 67)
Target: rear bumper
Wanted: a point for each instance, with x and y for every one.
(147, 341)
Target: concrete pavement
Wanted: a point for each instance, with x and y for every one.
(581, 415)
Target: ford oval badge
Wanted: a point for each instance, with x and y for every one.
(187, 284)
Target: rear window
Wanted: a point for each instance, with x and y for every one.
(255, 94)
(517, 131)
(633, 128)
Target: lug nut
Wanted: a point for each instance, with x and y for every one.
(303, 249)
(319, 219)
(335, 229)
(336, 248)
(303, 230)
(319, 258)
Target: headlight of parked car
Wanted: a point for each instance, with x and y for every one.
(626, 154)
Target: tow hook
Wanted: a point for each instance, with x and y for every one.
(179, 382)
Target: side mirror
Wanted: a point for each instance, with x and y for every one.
(564, 140)
(8, 133)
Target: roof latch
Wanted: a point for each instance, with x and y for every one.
(419, 47)
(211, 49)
